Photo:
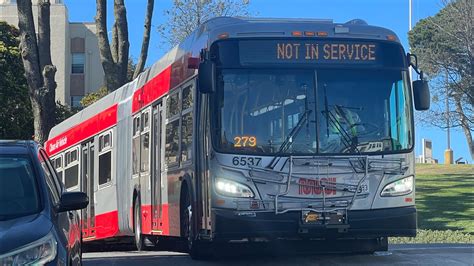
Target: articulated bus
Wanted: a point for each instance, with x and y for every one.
(253, 129)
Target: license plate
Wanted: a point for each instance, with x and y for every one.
(310, 217)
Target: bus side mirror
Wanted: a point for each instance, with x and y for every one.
(206, 77)
(421, 95)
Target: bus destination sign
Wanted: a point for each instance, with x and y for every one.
(307, 52)
(333, 51)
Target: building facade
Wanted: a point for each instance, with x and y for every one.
(74, 51)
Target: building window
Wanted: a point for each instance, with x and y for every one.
(76, 101)
(78, 60)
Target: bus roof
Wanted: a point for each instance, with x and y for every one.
(173, 68)
(240, 27)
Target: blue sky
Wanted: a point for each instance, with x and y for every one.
(392, 14)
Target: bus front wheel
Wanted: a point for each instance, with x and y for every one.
(196, 248)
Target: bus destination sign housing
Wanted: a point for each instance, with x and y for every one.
(310, 52)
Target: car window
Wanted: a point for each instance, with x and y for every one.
(54, 187)
(18, 187)
(56, 177)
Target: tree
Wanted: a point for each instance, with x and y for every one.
(114, 57)
(63, 112)
(444, 44)
(187, 15)
(16, 118)
(93, 97)
(39, 70)
(146, 40)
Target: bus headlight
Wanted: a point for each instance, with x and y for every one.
(231, 188)
(398, 188)
(39, 252)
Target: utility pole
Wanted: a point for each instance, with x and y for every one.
(409, 14)
(409, 29)
(448, 153)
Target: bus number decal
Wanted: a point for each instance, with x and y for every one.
(245, 141)
(244, 161)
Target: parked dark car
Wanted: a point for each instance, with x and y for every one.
(39, 222)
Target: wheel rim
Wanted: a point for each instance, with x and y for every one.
(187, 216)
(138, 229)
(189, 212)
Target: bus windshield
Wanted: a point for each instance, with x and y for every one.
(313, 111)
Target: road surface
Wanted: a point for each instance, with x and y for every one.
(442, 254)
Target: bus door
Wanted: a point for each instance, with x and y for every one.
(156, 201)
(87, 186)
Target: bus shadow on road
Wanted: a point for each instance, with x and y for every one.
(254, 253)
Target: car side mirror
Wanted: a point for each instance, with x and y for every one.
(206, 77)
(71, 201)
(421, 95)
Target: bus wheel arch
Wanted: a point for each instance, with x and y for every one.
(135, 196)
(139, 239)
(188, 228)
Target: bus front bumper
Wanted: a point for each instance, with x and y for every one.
(362, 224)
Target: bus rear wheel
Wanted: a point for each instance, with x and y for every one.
(137, 218)
(196, 248)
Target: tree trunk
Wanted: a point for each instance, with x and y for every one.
(465, 126)
(120, 13)
(39, 71)
(115, 61)
(146, 39)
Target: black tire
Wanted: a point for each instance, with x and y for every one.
(382, 244)
(196, 248)
(137, 221)
(372, 245)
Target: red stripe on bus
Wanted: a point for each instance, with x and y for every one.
(84, 130)
(162, 223)
(169, 78)
(152, 90)
(106, 225)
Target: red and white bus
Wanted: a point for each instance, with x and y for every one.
(253, 128)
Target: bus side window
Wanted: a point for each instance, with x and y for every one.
(399, 115)
(187, 124)
(172, 129)
(145, 142)
(71, 172)
(105, 158)
(136, 145)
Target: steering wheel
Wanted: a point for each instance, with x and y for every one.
(367, 125)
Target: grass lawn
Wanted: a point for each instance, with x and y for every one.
(445, 204)
(445, 197)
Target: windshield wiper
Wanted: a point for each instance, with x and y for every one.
(294, 132)
(289, 139)
(349, 142)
